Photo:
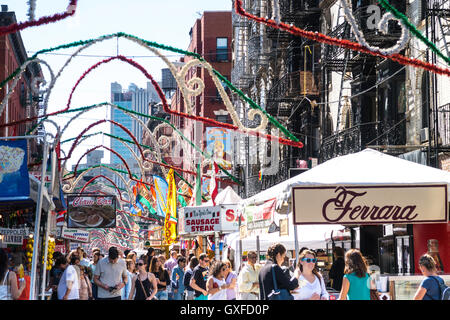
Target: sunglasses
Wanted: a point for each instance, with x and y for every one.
(309, 260)
(139, 264)
(206, 261)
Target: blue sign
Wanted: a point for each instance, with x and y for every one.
(14, 179)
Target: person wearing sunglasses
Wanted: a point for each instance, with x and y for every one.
(143, 285)
(199, 278)
(311, 283)
(216, 285)
(248, 284)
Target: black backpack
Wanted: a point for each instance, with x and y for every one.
(444, 290)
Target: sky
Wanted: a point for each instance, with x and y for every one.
(164, 21)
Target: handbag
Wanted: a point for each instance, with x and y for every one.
(278, 294)
(143, 289)
(374, 294)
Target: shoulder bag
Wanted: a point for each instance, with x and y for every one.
(143, 288)
(278, 294)
(374, 294)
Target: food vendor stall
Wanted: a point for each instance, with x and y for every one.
(210, 220)
(376, 193)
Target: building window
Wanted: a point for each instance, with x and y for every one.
(222, 49)
(222, 118)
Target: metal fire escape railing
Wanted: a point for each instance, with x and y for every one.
(360, 136)
(444, 125)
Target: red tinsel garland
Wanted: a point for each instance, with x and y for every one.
(165, 106)
(75, 142)
(319, 37)
(102, 176)
(15, 27)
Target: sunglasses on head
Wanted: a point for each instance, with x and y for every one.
(309, 260)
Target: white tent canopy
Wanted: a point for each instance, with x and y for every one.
(365, 167)
(226, 196)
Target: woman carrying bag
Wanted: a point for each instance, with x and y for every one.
(274, 284)
(143, 286)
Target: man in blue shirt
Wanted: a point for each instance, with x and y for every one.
(429, 289)
(177, 279)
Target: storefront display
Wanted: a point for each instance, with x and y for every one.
(405, 287)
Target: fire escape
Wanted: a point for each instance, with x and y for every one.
(438, 31)
(295, 83)
(374, 114)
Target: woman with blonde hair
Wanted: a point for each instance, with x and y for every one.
(311, 284)
(356, 283)
(132, 255)
(230, 279)
(131, 271)
(85, 285)
(430, 288)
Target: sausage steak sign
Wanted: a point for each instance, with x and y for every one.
(208, 219)
(371, 204)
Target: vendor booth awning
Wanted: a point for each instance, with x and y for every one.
(368, 167)
(16, 203)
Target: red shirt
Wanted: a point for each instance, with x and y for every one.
(26, 292)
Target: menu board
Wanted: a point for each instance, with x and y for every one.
(91, 211)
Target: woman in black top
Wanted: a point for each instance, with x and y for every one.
(276, 254)
(143, 285)
(337, 269)
(162, 278)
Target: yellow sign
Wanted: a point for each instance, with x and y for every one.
(170, 223)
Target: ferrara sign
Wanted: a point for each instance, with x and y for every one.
(371, 204)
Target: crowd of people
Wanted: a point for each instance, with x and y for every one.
(125, 276)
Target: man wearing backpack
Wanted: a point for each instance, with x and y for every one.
(432, 287)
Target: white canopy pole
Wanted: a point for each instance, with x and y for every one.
(47, 228)
(295, 235)
(37, 223)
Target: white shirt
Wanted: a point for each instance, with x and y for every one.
(221, 294)
(70, 274)
(307, 289)
(247, 277)
(110, 274)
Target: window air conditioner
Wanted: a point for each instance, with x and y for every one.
(424, 135)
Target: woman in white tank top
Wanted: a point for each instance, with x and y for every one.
(8, 282)
(216, 285)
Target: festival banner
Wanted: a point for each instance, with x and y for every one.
(161, 187)
(170, 223)
(91, 211)
(14, 179)
(259, 217)
(218, 145)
